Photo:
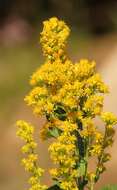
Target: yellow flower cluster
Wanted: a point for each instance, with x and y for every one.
(93, 105)
(84, 69)
(65, 84)
(63, 152)
(70, 96)
(25, 131)
(53, 39)
(109, 118)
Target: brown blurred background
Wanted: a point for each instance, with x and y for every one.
(94, 36)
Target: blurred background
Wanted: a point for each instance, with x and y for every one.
(93, 26)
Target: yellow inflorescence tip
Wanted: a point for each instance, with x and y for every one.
(53, 38)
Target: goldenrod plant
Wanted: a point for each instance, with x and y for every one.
(69, 96)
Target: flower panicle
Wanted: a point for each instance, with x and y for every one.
(70, 96)
(30, 162)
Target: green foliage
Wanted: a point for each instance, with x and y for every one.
(16, 63)
(110, 187)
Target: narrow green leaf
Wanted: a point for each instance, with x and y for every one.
(82, 168)
(54, 132)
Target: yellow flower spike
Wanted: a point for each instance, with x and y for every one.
(53, 39)
(109, 118)
(26, 131)
(69, 96)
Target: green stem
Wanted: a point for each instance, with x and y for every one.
(82, 146)
(81, 187)
(100, 158)
(91, 185)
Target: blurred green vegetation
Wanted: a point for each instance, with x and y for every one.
(16, 65)
(110, 187)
